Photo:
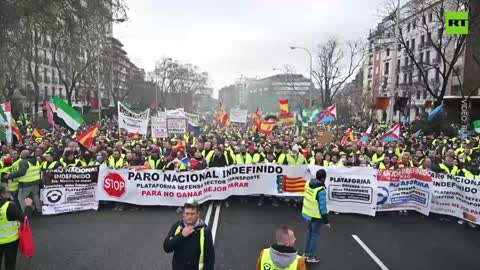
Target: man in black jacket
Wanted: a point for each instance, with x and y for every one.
(191, 241)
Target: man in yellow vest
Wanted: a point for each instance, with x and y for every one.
(315, 211)
(10, 219)
(28, 177)
(296, 158)
(283, 254)
(191, 241)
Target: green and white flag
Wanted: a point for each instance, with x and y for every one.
(72, 118)
(5, 122)
(476, 126)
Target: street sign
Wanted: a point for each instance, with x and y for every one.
(114, 185)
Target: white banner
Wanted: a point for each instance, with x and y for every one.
(238, 116)
(159, 127)
(154, 187)
(176, 125)
(351, 190)
(404, 189)
(456, 196)
(69, 190)
(131, 121)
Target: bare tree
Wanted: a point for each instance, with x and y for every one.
(296, 84)
(335, 67)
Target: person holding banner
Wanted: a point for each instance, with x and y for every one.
(315, 211)
(191, 241)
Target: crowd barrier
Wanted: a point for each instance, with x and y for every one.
(350, 190)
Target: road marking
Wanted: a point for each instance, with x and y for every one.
(209, 213)
(215, 222)
(369, 252)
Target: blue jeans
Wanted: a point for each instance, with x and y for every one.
(312, 238)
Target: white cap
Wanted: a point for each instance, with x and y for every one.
(295, 148)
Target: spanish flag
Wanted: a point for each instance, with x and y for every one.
(87, 138)
(256, 120)
(37, 133)
(283, 106)
(16, 131)
(266, 126)
(348, 136)
(294, 184)
(180, 146)
(223, 118)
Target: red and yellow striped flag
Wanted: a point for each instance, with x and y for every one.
(37, 133)
(283, 106)
(266, 126)
(16, 131)
(294, 184)
(180, 146)
(87, 138)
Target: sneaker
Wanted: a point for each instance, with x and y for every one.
(312, 259)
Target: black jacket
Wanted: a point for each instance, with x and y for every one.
(14, 213)
(187, 249)
(218, 161)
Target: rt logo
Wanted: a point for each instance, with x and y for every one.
(54, 196)
(457, 22)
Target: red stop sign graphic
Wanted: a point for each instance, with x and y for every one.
(114, 185)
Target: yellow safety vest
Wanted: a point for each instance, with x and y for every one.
(202, 246)
(64, 164)
(377, 159)
(299, 161)
(208, 156)
(118, 164)
(240, 160)
(447, 170)
(267, 263)
(467, 174)
(154, 163)
(310, 202)
(85, 164)
(12, 183)
(8, 229)
(32, 175)
(50, 167)
(281, 158)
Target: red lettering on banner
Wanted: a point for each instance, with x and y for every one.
(189, 194)
(214, 189)
(151, 193)
(238, 185)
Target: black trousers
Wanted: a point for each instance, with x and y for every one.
(10, 252)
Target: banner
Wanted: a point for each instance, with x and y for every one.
(159, 127)
(154, 187)
(287, 121)
(69, 189)
(131, 121)
(176, 125)
(404, 189)
(351, 190)
(456, 196)
(238, 116)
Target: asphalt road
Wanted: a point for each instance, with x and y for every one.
(134, 239)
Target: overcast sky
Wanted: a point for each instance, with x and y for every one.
(230, 38)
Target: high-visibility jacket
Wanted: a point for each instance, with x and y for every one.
(8, 229)
(13, 183)
(256, 158)
(377, 159)
(116, 164)
(444, 167)
(300, 160)
(310, 201)
(241, 159)
(64, 163)
(201, 260)
(83, 163)
(208, 155)
(33, 173)
(154, 164)
(282, 159)
(267, 263)
(467, 174)
(50, 166)
(267, 161)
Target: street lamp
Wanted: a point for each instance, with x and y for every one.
(310, 88)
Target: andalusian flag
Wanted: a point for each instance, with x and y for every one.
(283, 106)
(476, 126)
(87, 138)
(37, 133)
(68, 114)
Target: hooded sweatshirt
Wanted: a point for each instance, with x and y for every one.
(322, 201)
(282, 256)
(186, 250)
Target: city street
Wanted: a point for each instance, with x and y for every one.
(134, 239)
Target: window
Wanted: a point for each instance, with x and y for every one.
(424, 20)
(398, 80)
(427, 57)
(60, 92)
(388, 52)
(418, 94)
(405, 78)
(426, 74)
(430, 17)
(421, 58)
(398, 65)
(410, 78)
(399, 48)
(422, 41)
(387, 66)
(53, 91)
(424, 94)
(407, 45)
(414, 24)
(408, 27)
(45, 74)
(53, 74)
(406, 61)
(413, 45)
(437, 76)
(440, 33)
(45, 94)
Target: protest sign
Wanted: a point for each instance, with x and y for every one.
(456, 196)
(131, 121)
(176, 125)
(69, 189)
(404, 189)
(159, 127)
(287, 120)
(238, 116)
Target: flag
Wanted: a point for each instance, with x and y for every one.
(5, 122)
(348, 136)
(315, 114)
(283, 106)
(50, 114)
(366, 136)
(180, 146)
(329, 115)
(223, 118)
(256, 120)
(292, 184)
(391, 135)
(87, 137)
(266, 126)
(435, 113)
(37, 133)
(418, 133)
(68, 114)
(381, 103)
(16, 131)
(476, 126)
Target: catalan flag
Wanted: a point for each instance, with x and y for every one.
(283, 106)
(180, 146)
(294, 184)
(223, 115)
(37, 133)
(256, 120)
(87, 138)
